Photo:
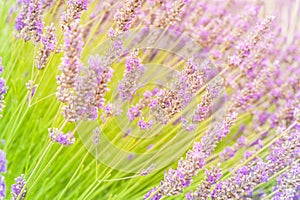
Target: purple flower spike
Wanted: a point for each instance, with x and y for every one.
(17, 188)
(48, 46)
(127, 14)
(73, 12)
(2, 187)
(29, 21)
(145, 125)
(134, 72)
(2, 162)
(59, 137)
(3, 89)
(203, 191)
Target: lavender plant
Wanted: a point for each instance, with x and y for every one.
(153, 99)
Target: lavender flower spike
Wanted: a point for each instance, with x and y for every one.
(203, 190)
(169, 17)
(2, 170)
(29, 22)
(104, 74)
(3, 89)
(126, 15)
(17, 188)
(2, 187)
(71, 64)
(73, 12)
(257, 171)
(2, 162)
(48, 46)
(59, 137)
(134, 71)
(288, 183)
(176, 180)
(22, 16)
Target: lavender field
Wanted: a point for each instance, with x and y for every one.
(149, 99)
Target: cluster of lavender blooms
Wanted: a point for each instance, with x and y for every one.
(73, 12)
(87, 96)
(211, 178)
(165, 103)
(3, 162)
(171, 101)
(29, 22)
(58, 136)
(257, 171)
(261, 76)
(2, 188)
(125, 16)
(206, 106)
(169, 16)
(134, 70)
(29, 26)
(244, 48)
(3, 88)
(83, 89)
(135, 111)
(71, 64)
(253, 84)
(176, 180)
(288, 183)
(49, 43)
(70, 67)
(18, 190)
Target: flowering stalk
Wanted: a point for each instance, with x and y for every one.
(73, 12)
(203, 190)
(71, 67)
(205, 108)
(3, 163)
(287, 183)
(49, 43)
(29, 21)
(175, 180)
(104, 74)
(251, 174)
(3, 88)
(18, 190)
(245, 48)
(134, 70)
(22, 16)
(169, 102)
(169, 17)
(135, 111)
(58, 136)
(126, 15)
(2, 187)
